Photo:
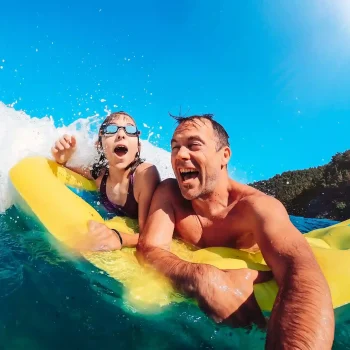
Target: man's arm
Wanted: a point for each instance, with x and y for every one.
(302, 317)
(146, 181)
(154, 243)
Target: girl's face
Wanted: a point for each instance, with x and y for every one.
(120, 148)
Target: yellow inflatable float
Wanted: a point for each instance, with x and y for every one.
(41, 192)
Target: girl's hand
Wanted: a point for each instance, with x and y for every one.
(64, 148)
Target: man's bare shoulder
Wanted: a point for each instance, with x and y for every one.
(257, 202)
(245, 190)
(168, 195)
(169, 189)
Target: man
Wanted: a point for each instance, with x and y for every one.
(207, 208)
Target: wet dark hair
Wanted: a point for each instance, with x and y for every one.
(220, 132)
(102, 162)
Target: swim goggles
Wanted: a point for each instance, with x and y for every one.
(111, 129)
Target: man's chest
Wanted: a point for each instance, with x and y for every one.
(221, 232)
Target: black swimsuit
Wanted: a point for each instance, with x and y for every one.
(129, 209)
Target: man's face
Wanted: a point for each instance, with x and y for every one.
(194, 158)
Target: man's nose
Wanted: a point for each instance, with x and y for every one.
(183, 153)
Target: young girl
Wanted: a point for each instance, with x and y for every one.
(125, 182)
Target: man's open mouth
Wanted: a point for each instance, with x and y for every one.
(188, 173)
(121, 150)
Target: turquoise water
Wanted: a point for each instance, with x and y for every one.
(49, 301)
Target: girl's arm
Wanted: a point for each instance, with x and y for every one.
(63, 150)
(102, 238)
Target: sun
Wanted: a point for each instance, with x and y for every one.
(341, 11)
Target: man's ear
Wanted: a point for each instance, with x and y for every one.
(226, 155)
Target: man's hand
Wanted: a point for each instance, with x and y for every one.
(64, 148)
(100, 238)
(228, 296)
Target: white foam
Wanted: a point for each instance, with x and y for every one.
(22, 136)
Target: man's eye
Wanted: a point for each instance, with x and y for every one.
(195, 145)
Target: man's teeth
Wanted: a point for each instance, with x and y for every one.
(186, 170)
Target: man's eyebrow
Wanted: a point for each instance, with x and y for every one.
(196, 138)
(190, 138)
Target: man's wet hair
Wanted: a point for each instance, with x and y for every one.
(220, 132)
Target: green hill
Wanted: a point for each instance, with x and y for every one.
(321, 192)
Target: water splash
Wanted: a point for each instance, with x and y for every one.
(22, 135)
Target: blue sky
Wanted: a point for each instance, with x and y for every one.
(274, 73)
